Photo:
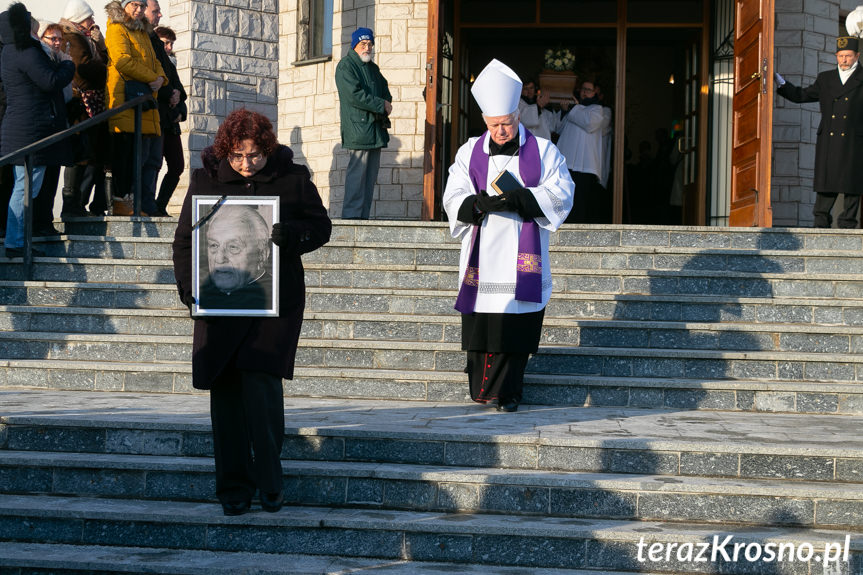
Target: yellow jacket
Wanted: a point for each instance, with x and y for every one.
(130, 56)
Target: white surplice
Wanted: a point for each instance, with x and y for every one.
(500, 230)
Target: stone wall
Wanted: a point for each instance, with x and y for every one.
(227, 58)
(308, 107)
(804, 41)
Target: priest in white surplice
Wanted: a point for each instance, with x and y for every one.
(505, 279)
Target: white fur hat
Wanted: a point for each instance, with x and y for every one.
(497, 89)
(77, 11)
(43, 24)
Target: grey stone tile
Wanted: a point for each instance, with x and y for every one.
(787, 314)
(106, 483)
(708, 368)
(644, 238)
(555, 394)
(646, 397)
(32, 438)
(612, 337)
(743, 341)
(44, 530)
(814, 343)
(514, 499)
(529, 551)
(802, 288)
(614, 261)
(833, 265)
(458, 497)
(139, 534)
(201, 444)
(849, 470)
(849, 513)
(333, 541)
(21, 479)
(609, 396)
(679, 339)
(572, 458)
(775, 401)
(305, 490)
(438, 547)
(653, 462)
(409, 494)
(593, 284)
(594, 503)
(560, 364)
(786, 467)
(180, 485)
(851, 404)
(725, 508)
(362, 491)
(396, 451)
(143, 442)
(790, 370)
(709, 464)
(149, 382)
(817, 402)
(830, 371)
(491, 455)
(754, 369)
(658, 367)
(699, 399)
(589, 238)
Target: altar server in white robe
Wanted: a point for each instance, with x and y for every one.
(505, 278)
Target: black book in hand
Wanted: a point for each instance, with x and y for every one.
(505, 182)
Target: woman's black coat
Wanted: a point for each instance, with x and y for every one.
(254, 343)
(34, 93)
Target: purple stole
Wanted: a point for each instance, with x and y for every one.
(528, 280)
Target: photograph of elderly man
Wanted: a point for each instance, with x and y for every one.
(234, 266)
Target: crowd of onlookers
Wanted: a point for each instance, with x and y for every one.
(57, 74)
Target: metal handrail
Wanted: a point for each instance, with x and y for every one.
(27, 152)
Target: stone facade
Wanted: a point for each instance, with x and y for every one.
(243, 53)
(804, 41)
(308, 111)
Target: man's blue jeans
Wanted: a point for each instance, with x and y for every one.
(15, 217)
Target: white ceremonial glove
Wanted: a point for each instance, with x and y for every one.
(780, 81)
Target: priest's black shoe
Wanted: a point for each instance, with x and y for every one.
(508, 405)
(236, 507)
(272, 502)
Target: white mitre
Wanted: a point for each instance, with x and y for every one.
(497, 90)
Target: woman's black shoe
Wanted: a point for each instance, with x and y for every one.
(508, 405)
(236, 508)
(272, 502)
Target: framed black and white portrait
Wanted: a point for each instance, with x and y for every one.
(234, 262)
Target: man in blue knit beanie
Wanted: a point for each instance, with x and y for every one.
(365, 104)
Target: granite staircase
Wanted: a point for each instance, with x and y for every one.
(693, 384)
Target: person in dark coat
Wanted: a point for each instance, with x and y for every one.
(242, 360)
(838, 148)
(34, 110)
(365, 104)
(172, 111)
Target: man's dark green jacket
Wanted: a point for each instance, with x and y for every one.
(362, 91)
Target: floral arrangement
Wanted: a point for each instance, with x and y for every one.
(559, 59)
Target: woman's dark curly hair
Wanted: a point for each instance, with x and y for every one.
(242, 125)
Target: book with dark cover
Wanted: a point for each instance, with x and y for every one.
(505, 182)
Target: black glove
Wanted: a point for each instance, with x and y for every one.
(486, 203)
(188, 300)
(284, 236)
(523, 202)
(469, 213)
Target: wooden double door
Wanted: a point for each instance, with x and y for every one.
(454, 37)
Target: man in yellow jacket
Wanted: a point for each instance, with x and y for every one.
(131, 58)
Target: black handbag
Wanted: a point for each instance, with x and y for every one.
(135, 88)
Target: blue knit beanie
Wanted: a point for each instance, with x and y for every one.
(361, 34)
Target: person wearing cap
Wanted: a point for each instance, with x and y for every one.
(838, 153)
(504, 263)
(365, 104)
(91, 72)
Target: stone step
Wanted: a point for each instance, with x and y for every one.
(591, 236)
(599, 306)
(457, 490)
(768, 366)
(674, 443)
(611, 259)
(490, 540)
(36, 558)
(358, 326)
(451, 386)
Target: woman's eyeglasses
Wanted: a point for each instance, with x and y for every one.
(252, 158)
